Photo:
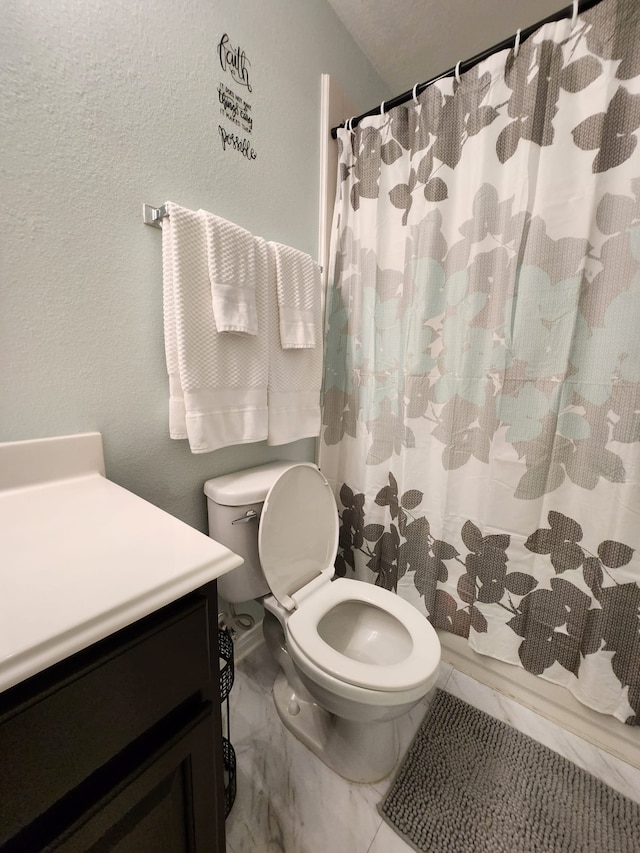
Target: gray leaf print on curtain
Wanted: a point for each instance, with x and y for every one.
(613, 32)
(555, 625)
(366, 168)
(439, 134)
(481, 422)
(541, 85)
(611, 133)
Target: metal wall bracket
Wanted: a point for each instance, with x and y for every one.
(152, 215)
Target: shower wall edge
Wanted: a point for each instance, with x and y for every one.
(549, 700)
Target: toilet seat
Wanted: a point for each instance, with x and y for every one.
(297, 544)
(406, 674)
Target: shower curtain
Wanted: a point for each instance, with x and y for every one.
(481, 424)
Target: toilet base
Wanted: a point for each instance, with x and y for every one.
(359, 752)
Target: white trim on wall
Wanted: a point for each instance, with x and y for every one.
(335, 106)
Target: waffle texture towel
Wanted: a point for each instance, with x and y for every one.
(230, 256)
(298, 305)
(217, 380)
(295, 373)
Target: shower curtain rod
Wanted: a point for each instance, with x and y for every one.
(567, 12)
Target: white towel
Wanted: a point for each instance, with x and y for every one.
(177, 422)
(295, 374)
(217, 381)
(230, 254)
(298, 285)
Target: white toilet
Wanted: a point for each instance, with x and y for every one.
(353, 656)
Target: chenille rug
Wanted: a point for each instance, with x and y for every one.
(472, 784)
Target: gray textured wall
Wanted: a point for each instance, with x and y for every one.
(106, 104)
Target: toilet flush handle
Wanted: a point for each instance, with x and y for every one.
(249, 516)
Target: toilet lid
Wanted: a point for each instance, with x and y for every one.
(298, 531)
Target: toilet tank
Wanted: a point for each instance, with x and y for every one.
(229, 499)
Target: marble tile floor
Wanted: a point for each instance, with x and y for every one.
(288, 801)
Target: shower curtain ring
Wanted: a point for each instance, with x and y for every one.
(574, 14)
(382, 108)
(415, 94)
(516, 46)
(458, 71)
(349, 126)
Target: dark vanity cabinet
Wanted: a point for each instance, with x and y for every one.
(119, 746)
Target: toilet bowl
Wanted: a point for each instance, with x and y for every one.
(354, 656)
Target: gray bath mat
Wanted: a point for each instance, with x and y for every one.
(472, 783)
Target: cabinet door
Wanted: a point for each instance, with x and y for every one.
(58, 729)
(163, 806)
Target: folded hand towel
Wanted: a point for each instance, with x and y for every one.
(218, 382)
(298, 287)
(230, 255)
(295, 374)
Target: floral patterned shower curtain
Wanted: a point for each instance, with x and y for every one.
(482, 389)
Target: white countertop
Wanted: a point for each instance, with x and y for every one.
(81, 557)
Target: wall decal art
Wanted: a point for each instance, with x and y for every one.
(231, 141)
(234, 107)
(234, 60)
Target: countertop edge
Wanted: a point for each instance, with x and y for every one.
(19, 668)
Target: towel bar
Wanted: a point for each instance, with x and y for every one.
(152, 215)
